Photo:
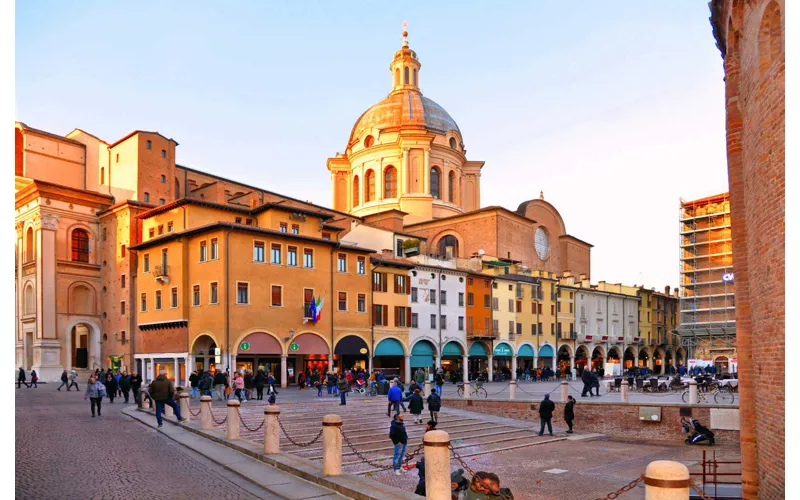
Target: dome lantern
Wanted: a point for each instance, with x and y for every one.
(405, 67)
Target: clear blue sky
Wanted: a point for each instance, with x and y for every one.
(613, 109)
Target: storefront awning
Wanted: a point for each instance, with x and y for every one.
(525, 351)
(422, 348)
(389, 347)
(546, 352)
(503, 350)
(477, 350)
(452, 349)
(421, 361)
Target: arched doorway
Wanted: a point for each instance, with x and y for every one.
(545, 356)
(669, 369)
(452, 353)
(448, 247)
(525, 355)
(351, 352)
(206, 355)
(565, 360)
(613, 362)
(308, 352)
(581, 359)
(722, 364)
(390, 358)
(629, 360)
(658, 362)
(644, 359)
(83, 344)
(423, 356)
(680, 357)
(501, 358)
(259, 351)
(598, 359)
(477, 359)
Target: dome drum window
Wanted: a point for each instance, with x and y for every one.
(541, 243)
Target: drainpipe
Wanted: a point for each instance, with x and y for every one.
(555, 287)
(228, 301)
(332, 310)
(608, 325)
(372, 316)
(439, 319)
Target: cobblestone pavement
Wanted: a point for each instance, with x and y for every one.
(63, 453)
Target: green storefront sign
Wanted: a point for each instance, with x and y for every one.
(502, 350)
(244, 346)
(294, 346)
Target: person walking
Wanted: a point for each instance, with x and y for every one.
(34, 379)
(117, 378)
(569, 413)
(439, 380)
(595, 384)
(64, 380)
(238, 386)
(73, 380)
(162, 391)
(220, 383)
(194, 382)
(111, 387)
(546, 408)
(95, 390)
(136, 387)
(271, 384)
(21, 378)
(399, 437)
(415, 405)
(258, 382)
(301, 381)
(434, 405)
(395, 396)
(343, 387)
(125, 386)
(586, 377)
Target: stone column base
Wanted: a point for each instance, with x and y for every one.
(47, 360)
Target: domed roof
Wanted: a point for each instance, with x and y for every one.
(402, 109)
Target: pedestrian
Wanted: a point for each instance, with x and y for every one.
(111, 387)
(439, 380)
(21, 378)
(419, 377)
(595, 384)
(258, 382)
(569, 413)
(271, 384)
(117, 378)
(162, 392)
(301, 381)
(194, 382)
(415, 405)
(64, 380)
(125, 385)
(220, 383)
(136, 387)
(399, 437)
(402, 390)
(434, 405)
(546, 408)
(586, 377)
(574, 373)
(73, 380)
(343, 386)
(95, 390)
(394, 396)
(238, 384)
(34, 379)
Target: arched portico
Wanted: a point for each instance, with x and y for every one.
(83, 340)
(565, 360)
(598, 358)
(582, 358)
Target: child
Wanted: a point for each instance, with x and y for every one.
(415, 406)
(434, 405)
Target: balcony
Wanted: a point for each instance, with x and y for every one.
(483, 334)
(161, 273)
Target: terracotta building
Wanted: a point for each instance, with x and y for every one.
(751, 38)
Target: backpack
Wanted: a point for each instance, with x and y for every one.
(101, 390)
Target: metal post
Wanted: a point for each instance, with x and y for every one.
(183, 399)
(232, 431)
(512, 390)
(332, 445)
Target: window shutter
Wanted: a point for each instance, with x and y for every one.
(408, 316)
(384, 285)
(408, 286)
(376, 315)
(385, 315)
(396, 316)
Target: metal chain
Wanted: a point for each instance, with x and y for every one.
(297, 443)
(461, 460)
(501, 390)
(362, 457)
(625, 488)
(193, 413)
(211, 411)
(700, 491)
(244, 424)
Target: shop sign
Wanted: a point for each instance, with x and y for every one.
(727, 277)
(294, 346)
(244, 346)
(502, 350)
(363, 350)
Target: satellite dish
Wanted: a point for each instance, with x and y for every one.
(481, 252)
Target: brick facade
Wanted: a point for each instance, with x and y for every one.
(750, 36)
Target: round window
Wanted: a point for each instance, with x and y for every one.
(541, 243)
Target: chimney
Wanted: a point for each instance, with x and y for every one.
(567, 273)
(391, 220)
(387, 253)
(582, 276)
(666, 290)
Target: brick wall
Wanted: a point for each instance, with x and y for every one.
(612, 419)
(162, 340)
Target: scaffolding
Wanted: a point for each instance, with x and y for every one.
(707, 303)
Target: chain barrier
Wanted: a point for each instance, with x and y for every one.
(244, 424)
(211, 410)
(624, 489)
(460, 460)
(297, 443)
(497, 392)
(193, 413)
(406, 459)
(700, 491)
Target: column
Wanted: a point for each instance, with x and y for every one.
(437, 464)
(371, 369)
(18, 336)
(426, 173)
(408, 370)
(554, 366)
(177, 371)
(283, 371)
(465, 368)
(406, 172)
(491, 367)
(151, 369)
(535, 364)
(46, 336)
(330, 361)
(438, 363)
(513, 367)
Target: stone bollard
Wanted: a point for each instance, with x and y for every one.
(692, 392)
(564, 391)
(665, 480)
(623, 391)
(232, 431)
(145, 402)
(466, 389)
(205, 413)
(512, 390)
(332, 445)
(168, 411)
(184, 402)
(427, 387)
(272, 436)
(437, 465)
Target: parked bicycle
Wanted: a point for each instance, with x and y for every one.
(475, 390)
(722, 395)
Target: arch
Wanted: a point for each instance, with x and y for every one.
(423, 354)
(546, 350)
(615, 352)
(199, 343)
(477, 349)
(503, 351)
(451, 187)
(390, 182)
(351, 345)
(453, 348)
(81, 299)
(309, 342)
(369, 194)
(770, 39)
(453, 143)
(397, 77)
(79, 245)
(369, 141)
(29, 299)
(526, 350)
(356, 191)
(390, 346)
(260, 343)
(30, 250)
(565, 349)
(680, 356)
(94, 350)
(436, 242)
(405, 75)
(422, 346)
(436, 181)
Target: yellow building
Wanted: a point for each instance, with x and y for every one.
(392, 315)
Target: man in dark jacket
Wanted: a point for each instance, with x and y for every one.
(344, 387)
(434, 405)
(162, 391)
(64, 380)
(569, 413)
(21, 378)
(125, 385)
(220, 383)
(136, 385)
(586, 377)
(258, 382)
(595, 384)
(399, 437)
(194, 382)
(546, 409)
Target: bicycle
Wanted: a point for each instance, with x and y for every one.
(476, 390)
(721, 396)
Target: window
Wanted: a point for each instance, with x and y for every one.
(169, 227)
(571, 330)
(402, 316)
(362, 303)
(558, 330)
(435, 183)
(648, 316)
(398, 248)
(122, 281)
(552, 329)
(308, 258)
(405, 75)
(213, 299)
(258, 251)
(122, 307)
(470, 299)
(443, 322)
(291, 256)
(342, 263)
(370, 194)
(451, 187)
(203, 251)
(161, 201)
(160, 229)
(433, 296)
(495, 304)
(361, 266)
(461, 299)
(487, 301)
(277, 296)
(163, 153)
(342, 304)
(390, 182)
(413, 294)
(147, 197)
(163, 179)
(122, 251)
(570, 307)
(174, 299)
(146, 262)
(519, 328)
(284, 227)
(380, 315)
(494, 286)
(80, 245)
(242, 293)
(275, 253)
(295, 229)
(196, 295)
(414, 320)
(152, 232)
(519, 306)
(143, 304)
(496, 325)
(238, 220)
(117, 158)
(511, 327)
(149, 144)
(102, 176)
(326, 236)
(533, 329)
(400, 284)
(541, 332)
(378, 282)
(540, 308)
(558, 306)
(356, 191)
(461, 323)
(164, 259)
(433, 321)
(552, 309)
(510, 305)
(443, 294)
(214, 249)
